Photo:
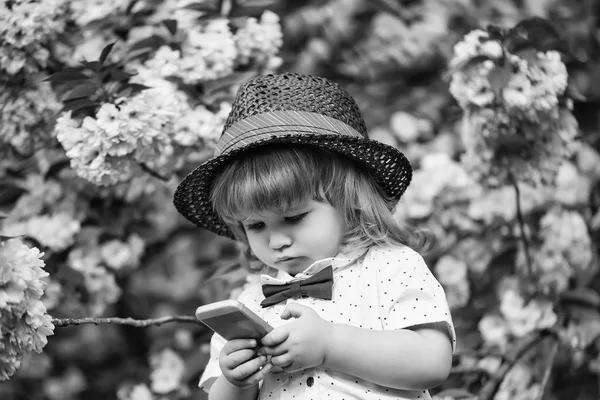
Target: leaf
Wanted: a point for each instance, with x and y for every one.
(85, 89)
(535, 32)
(78, 104)
(93, 65)
(120, 75)
(136, 87)
(218, 87)
(171, 25)
(5, 238)
(66, 76)
(585, 296)
(10, 191)
(499, 77)
(210, 6)
(528, 54)
(105, 52)
(147, 44)
(56, 167)
(471, 62)
(251, 7)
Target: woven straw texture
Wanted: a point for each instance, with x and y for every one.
(294, 109)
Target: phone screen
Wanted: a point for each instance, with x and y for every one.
(235, 325)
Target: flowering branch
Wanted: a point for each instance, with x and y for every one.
(141, 323)
(491, 387)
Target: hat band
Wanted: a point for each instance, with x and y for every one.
(280, 123)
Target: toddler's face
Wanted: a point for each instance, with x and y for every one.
(293, 241)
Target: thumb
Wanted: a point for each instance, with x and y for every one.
(293, 310)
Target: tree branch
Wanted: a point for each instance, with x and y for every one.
(548, 370)
(516, 353)
(522, 228)
(141, 323)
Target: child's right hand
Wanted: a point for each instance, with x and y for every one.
(241, 365)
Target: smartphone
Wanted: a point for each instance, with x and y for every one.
(233, 320)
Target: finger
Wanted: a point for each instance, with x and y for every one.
(245, 370)
(293, 310)
(238, 344)
(233, 360)
(259, 375)
(275, 337)
(273, 351)
(282, 361)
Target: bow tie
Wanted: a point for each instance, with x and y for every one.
(319, 286)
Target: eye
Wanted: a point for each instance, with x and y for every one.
(296, 218)
(255, 226)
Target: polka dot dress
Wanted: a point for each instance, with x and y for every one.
(384, 288)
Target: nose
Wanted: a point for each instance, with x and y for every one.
(279, 240)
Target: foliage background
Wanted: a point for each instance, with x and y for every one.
(115, 247)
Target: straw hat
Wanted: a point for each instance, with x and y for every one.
(295, 109)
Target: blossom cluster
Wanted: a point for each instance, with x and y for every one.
(499, 148)
(564, 252)
(211, 51)
(25, 323)
(515, 124)
(55, 232)
(535, 84)
(27, 114)
(26, 29)
(86, 11)
(452, 273)
(151, 130)
(517, 316)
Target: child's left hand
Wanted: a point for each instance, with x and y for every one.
(300, 344)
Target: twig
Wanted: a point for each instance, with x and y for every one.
(522, 227)
(141, 323)
(548, 369)
(491, 386)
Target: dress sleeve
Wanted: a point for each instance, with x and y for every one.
(212, 370)
(409, 294)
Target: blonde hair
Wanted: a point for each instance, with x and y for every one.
(281, 177)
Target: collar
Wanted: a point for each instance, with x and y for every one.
(272, 276)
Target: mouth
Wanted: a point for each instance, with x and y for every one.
(284, 259)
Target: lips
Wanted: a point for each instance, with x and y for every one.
(284, 259)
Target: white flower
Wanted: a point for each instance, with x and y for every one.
(470, 46)
(518, 91)
(261, 40)
(209, 52)
(167, 371)
(25, 323)
(472, 88)
(118, 255)
(56, 232)
(26, 27)
(572, 187)
(524, 318)
(494, 330)
(452, 274)
(87, 11)
(101, 286)
(405, 126)
(439, 176)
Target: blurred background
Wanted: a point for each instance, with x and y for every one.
(90, 158)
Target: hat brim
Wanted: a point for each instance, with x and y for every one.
(389, 167)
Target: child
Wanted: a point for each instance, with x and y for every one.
(355, 310)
